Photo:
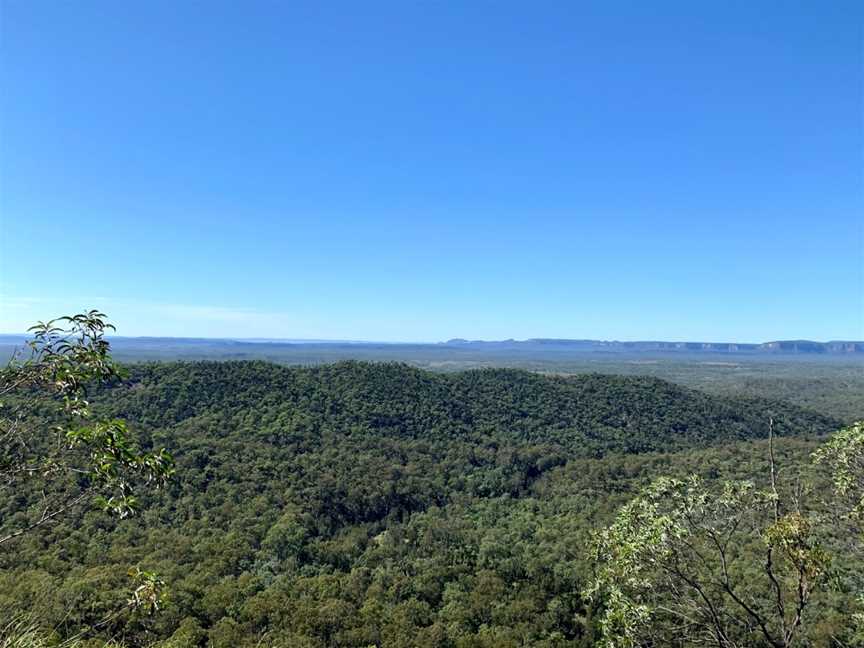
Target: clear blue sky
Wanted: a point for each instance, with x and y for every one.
(424, 170)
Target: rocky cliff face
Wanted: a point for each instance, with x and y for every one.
(834, 347)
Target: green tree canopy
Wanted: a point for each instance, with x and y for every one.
(55, 455)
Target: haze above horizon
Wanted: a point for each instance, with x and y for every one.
(419, 171)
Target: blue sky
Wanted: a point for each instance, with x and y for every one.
(425, 170)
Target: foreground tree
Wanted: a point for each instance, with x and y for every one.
(54, 455)
(844, 457)
(676, 567)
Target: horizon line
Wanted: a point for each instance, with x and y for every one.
(455, 340)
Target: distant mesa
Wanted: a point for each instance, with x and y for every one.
(534, 347)
(834, 347)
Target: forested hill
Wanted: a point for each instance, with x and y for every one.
(587, 415)
(365, 504)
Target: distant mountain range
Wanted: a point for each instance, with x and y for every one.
(647, 346)
(511, 352)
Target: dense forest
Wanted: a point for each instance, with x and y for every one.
(363, 504)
